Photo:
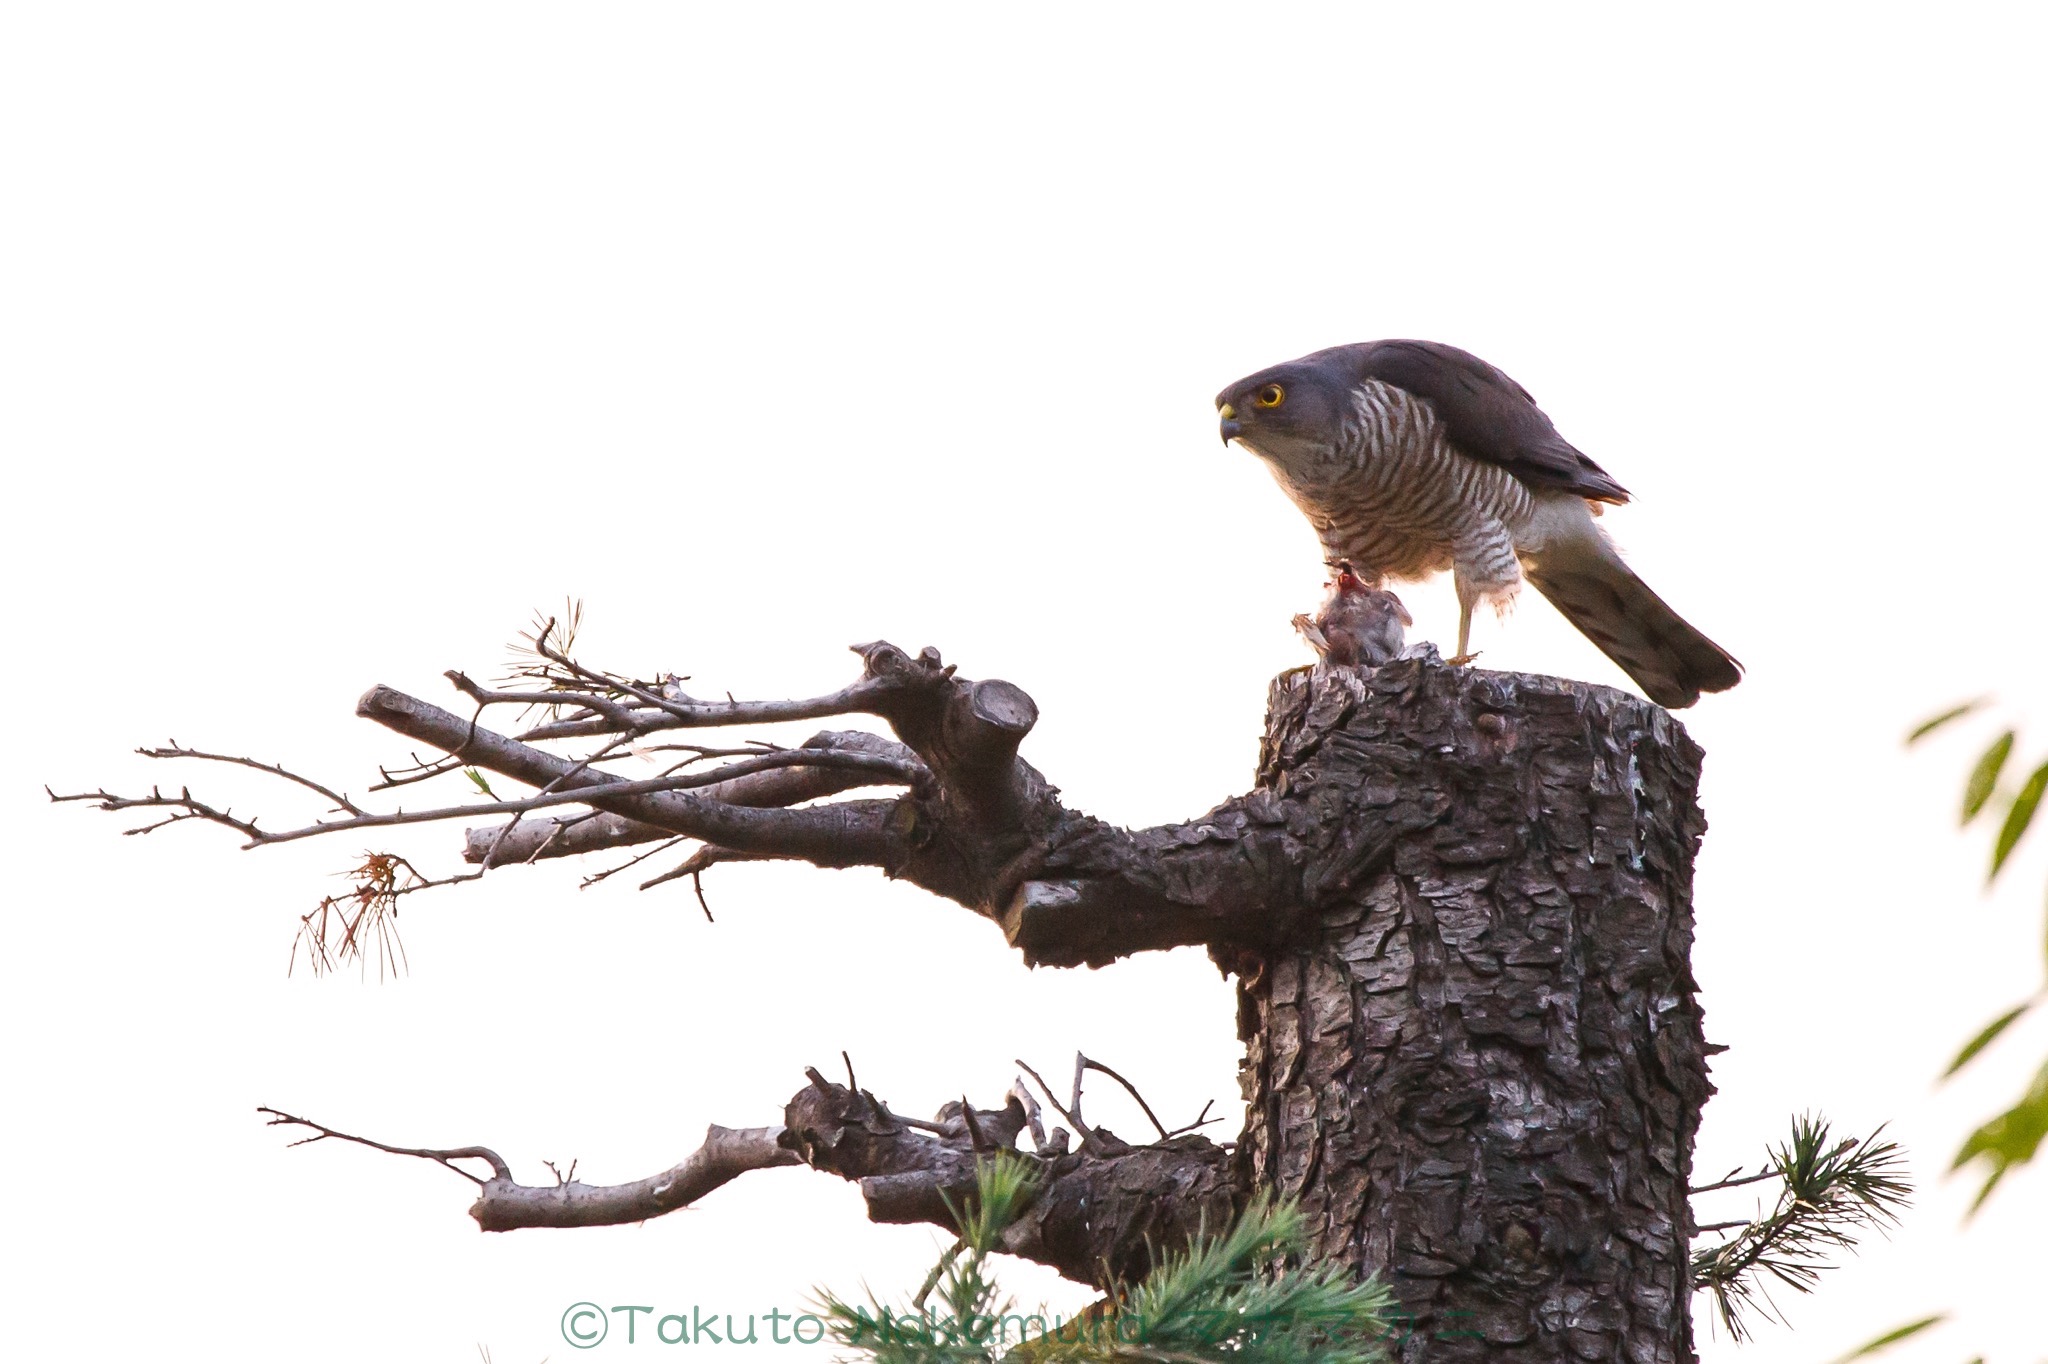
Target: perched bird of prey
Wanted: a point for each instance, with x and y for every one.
(1358, 624)
(1411, 457)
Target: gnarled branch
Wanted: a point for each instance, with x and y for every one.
(976, 824)
(1100, 1213)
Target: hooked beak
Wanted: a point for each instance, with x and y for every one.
(1230, 428)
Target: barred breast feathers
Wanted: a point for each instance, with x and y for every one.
(1397, 499)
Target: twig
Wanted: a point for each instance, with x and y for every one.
(610, 872)
(1080, 1128)
(1159, 1126)
(499, 1169)
(894, 768)
(1732, 1181)
(567, 775)
(975, 1136)
(175, 750)
(620, 716)
(506, 1205)
(157, 800)
(659, 712)
(702, 860)
(1023, 1095)
(418, 772)
(1202, 1119)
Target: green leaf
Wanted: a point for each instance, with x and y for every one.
(481, 784)
(1927, 727)
(1893, 1337)
(2009, 1139)
(1984, 776)
(1986, 1037)
(1990, 1183)
(2019, 816)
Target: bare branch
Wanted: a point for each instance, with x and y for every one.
(157, 800)
(854, 833)
(792, 785)
(876, 769)
(620, 717)
(174, 750)
(1158, 1126)
(697, 863)
(861, 698)
(499, 1169)
(1022, 1093)
(1073, 1119)
(727, 1153)
(1202, 1119)
(609, 872)
(506, 1205)
(1098, 1216)
(418, 772)
(1733, 1182)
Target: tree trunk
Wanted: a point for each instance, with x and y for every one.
(1481, 1071)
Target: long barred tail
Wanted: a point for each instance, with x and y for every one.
(1672, 662)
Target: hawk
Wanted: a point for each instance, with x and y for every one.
(1411, 457)
(1357, 624)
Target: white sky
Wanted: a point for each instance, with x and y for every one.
(335, 340)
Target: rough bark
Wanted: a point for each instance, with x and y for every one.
(1099, 1214)
(1482, 1068)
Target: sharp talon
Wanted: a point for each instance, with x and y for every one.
(1462, 660)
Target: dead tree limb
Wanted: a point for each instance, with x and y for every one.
(1098, 1214)
(538, 839)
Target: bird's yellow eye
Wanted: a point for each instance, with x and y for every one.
(1272, 395)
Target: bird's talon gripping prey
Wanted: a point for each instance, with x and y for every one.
(1411, 457)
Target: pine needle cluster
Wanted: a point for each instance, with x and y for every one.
(1226, 1299)
(1828, 1192)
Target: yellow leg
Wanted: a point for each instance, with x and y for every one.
(1465, 603)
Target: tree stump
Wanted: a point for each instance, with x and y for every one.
(1481, 1068)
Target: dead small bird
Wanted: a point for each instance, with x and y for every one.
(1358, 625)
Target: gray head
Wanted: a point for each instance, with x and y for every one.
(1291, 413)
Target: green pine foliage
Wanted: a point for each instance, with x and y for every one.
(1829, 1192)
(1226, 1299)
